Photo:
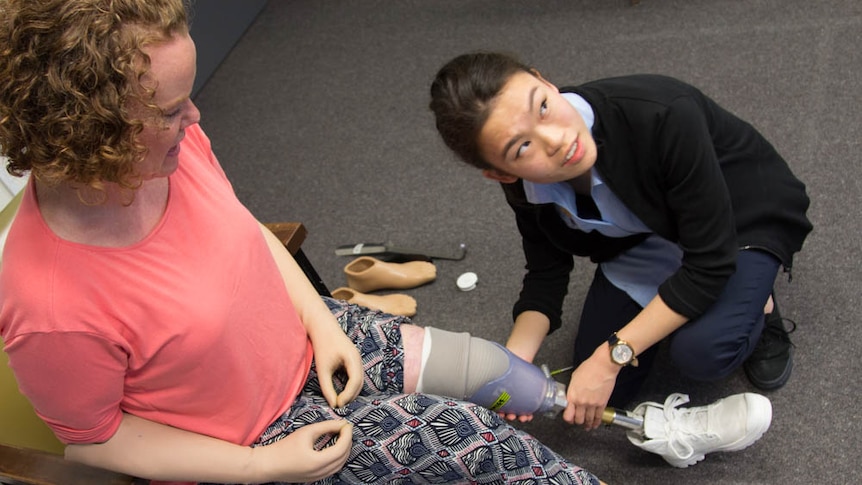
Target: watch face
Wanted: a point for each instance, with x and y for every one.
(622, 354)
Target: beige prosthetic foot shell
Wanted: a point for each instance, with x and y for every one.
(365, 274)
(395, 304)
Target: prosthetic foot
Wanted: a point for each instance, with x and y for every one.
(395, 304)
(683, 437)
(368, 274)
(486, 373)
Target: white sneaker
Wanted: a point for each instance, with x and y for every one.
(683, 436)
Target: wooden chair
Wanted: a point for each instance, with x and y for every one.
(29, 452)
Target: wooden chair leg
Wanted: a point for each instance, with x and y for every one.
(292, 235)
(311, 273)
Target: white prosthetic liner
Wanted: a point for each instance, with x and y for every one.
(486, 373)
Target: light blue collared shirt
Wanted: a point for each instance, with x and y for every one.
(639, 270)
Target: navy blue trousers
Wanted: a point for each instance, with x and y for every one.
(707, 348)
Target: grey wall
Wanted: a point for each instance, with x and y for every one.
(216, 25)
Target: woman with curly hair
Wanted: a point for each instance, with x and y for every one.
(161, 331)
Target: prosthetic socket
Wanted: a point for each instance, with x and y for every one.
(486, 373)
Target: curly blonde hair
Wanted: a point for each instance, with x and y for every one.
(68, 70)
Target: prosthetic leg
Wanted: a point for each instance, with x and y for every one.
(486, 373)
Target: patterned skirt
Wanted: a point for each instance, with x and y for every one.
(418, 438)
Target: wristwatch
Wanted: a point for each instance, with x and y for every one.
(621, 352)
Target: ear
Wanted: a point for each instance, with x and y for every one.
(498, 176)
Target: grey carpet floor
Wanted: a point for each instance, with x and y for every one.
(319, 115)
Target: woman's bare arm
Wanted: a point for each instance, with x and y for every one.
(146, 449)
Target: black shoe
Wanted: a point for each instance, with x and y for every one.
(771, 363)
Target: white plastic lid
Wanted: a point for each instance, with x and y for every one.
(467, 281)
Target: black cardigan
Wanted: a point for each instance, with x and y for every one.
(693, 172)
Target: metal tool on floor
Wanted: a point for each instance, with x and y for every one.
(390, 252)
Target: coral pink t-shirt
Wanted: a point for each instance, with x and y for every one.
(191, 327)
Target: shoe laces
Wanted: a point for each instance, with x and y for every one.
(685, 427)
(780, 328)
(775, 331)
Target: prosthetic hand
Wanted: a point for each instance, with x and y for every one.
(488, 374)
